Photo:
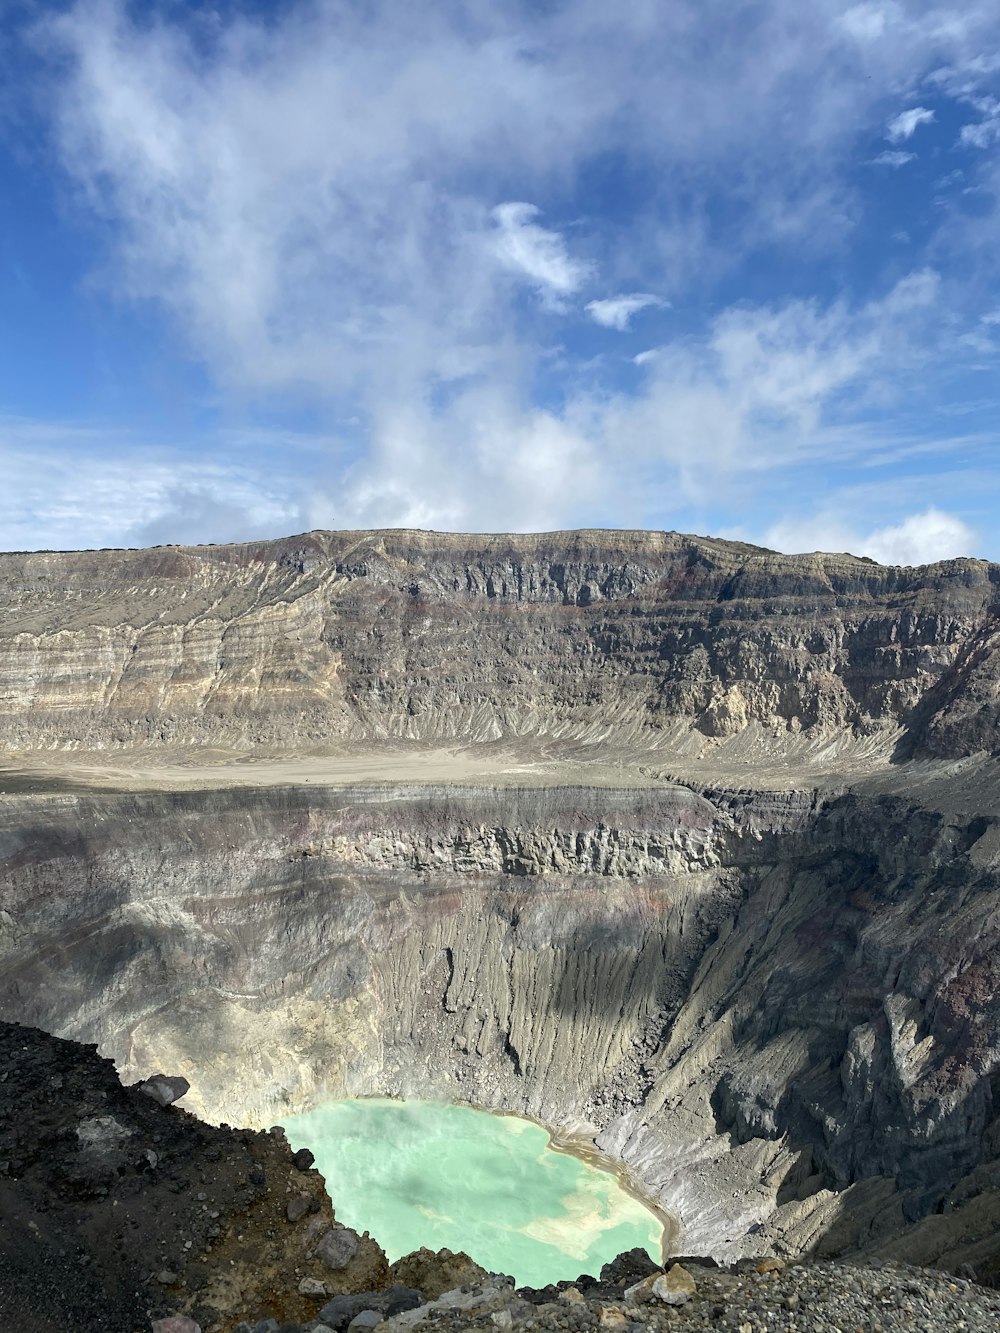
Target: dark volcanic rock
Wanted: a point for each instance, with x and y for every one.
(165, 1089)
(109, 1202)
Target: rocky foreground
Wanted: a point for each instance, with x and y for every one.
(122, 1213)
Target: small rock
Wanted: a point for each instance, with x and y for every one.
(629, 1268)
(571, 1296)
(434, 1274)
(611, 1317)
(165, 1088)
(166, 1278)
(339, 1312)
(314, 1229)
(175, 1323)
(675, 1287)
(337, 1247)
(303, 1159)
(396, 1299)
(641, 1292)
(365, 1320)
(311, 1286)
(297, 1207)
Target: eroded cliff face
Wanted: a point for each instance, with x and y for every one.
(779, 1009)
(650, 637)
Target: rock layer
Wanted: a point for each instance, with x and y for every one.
(409, 634)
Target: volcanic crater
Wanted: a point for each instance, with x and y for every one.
(684, 848)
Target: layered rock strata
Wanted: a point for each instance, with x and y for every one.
(333, 636)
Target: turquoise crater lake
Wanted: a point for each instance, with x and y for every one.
(434, 1174)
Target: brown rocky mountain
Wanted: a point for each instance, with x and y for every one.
(678, 844)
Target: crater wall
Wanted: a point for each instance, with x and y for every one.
(778, 1009)
(359, 636)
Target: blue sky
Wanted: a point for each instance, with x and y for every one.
(724, 267)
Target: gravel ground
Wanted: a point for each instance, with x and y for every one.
(801, 1298)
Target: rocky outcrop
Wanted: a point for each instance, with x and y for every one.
(355, 636)
(117, 1211)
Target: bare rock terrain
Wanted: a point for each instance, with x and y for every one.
(685, 848)
(591, 635)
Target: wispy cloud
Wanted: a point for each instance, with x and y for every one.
(985, 132)
(769, 394)
(768, 389)
(330, 205)
(311, 198)
(867, 22)
(535, 253)
(905, 125)
(892, 158)
(68, 487)
(615, 312)
(918, 539)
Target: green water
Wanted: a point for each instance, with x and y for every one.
(426, 1173)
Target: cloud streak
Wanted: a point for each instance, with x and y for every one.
(534, 253)
(906, 124)
(893, 159)
(615, 312)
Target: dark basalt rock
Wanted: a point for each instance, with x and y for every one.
(109, 1201)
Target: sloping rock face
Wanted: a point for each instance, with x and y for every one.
(759, 1002)
(365, 635)
(773, 998)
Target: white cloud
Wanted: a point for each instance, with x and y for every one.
(919, 539)
(536, 253)
(893, 159)
(490, 463)
(767, 395)
(766, 391)
(312, 199)
(866, 23)
(982, 133)
(905, 125)
(922, 538)
(72, 487)
(615, 312)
